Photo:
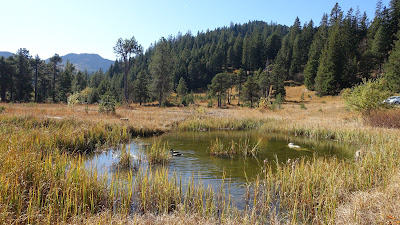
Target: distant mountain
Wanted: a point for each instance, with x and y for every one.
(6, 54)
(89, 62)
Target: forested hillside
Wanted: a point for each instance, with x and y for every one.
(337, 53)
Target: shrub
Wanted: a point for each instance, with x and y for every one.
(210, 103)
(277, 104)
(2, 108)
(73, 99)
(302, 106)
(384, 118)
(368, 96)
(107, 104)
(187, 99)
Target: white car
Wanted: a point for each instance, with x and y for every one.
(393, 100)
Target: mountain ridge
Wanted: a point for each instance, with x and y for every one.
(89, 62)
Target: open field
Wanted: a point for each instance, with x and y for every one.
(42, 179)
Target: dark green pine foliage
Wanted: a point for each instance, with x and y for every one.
(351, 44)
(161, 66)
(54, 61)
(280, 69)
(264, 82)
(218, 87)
(64, 85)
(182, 89)
(79, 82)
(23, 76)
(141, 88)
(273, 44)
(331, 64)
(240, 79)
(318, 43)
(393, 68)
(246, 53)
(7, 71)
(293, 50)
(237, 52)
(251, 90)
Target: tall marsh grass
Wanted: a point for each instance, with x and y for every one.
(243, 148)
(158, 152)
(42, 182)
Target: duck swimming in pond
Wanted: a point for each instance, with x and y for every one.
(175, 153)
(291, 145)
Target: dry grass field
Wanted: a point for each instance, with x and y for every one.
(320, 191)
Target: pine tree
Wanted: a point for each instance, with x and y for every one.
(331, 64)
(240, 79)
(23, 78)
(141, 87)
(318, 43)
(161, 66)
(65, 82)
(218, 86)
(393, 68)
(181, 89)
(6, 74)
(55, 60)
(251, 90)
(125, 49)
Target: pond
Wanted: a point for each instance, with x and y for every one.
(196, 161)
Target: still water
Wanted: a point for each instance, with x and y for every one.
(196, 161)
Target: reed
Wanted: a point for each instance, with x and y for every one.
(242, 149)
(43, 178)
(158, 152)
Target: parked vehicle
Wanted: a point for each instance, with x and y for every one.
(393, 100)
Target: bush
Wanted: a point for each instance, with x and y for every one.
(73, 99)
(302, 106)
(2, 108)
(187, 99)
(368, 96)
(210, 103)
(384, 118)
(277, 104)
(107, 104)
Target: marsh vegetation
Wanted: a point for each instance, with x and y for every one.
(45, 178)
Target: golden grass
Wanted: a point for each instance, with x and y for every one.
(34, 180)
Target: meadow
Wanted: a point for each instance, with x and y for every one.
(43, 179)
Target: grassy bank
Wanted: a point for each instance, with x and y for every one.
(42, 182)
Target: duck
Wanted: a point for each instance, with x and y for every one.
(291, 145)
(175, 153)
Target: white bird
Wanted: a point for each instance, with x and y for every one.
(134, 156)
(291, 145)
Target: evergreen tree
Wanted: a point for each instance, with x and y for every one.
(23, 76)
(161, 71)
(141, 88)
(218, 86)
(181, 89)
(251, 90)
(65, 82)
(393, 68)
(6, 74)
(264, 82)
(79, 82)
(54, 60)
(272, 46)
(240, 79)
(331, 64)
(125, 49)
(318, 43)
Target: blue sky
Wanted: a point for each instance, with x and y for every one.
(46, 27)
